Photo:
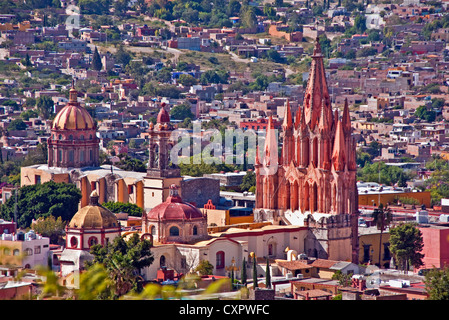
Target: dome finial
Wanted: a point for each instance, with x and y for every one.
(73, 94)
(94, 198)
(174, 190)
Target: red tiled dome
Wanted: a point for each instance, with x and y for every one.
(174, 209)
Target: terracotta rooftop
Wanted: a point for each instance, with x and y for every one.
(314, 293)
(293, 265)
(323, 263)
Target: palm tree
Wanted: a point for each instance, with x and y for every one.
(382, 217)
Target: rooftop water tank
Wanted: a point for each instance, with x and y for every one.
(422, 216)
(30, 235)
(20, 236)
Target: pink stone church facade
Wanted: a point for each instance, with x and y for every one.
(312, 182)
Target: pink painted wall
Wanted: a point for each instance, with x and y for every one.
(436, 246)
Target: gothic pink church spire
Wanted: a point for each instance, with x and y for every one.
(317, 94)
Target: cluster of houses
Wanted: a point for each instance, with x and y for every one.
(383, 90)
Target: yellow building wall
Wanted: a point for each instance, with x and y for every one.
(325, 274)
(385, 198)
(102, 190)
(373, 240)
(140, 195)
(7, 256)
(221, 217)
(28, 176)
(243, 219)
(216, 216)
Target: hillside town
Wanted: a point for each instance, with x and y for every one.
(118, 158)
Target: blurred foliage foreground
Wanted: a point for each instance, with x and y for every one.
(95, 284)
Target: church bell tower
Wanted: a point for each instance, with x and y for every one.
(161, 173)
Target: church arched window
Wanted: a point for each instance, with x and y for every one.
(174, 231)
(92, 241)
(195, 230)
(73, 242)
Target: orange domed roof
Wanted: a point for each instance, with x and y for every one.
(73, 117)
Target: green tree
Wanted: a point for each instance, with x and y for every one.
(248, 18)
(129, 208)
(248, 181)
(50, 227)
(424, 113)
(128, 163)
(181, 112)
(98, 7)
(268, 276)
(45, 106)
(437, 284)
(205, 268)
(214, 76)
(122, 56)
(96, 61)
(233, 8)
(406, 244)
(95, 284)
(363, 158)
(344, 279)
(360, 23)
(382, 173)
(243, 276)
(123, 261)
(42, 200)
(187, 80)
(255, 282)
(30, 113)
(273, 55)
(382, 217)
(17, 124)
